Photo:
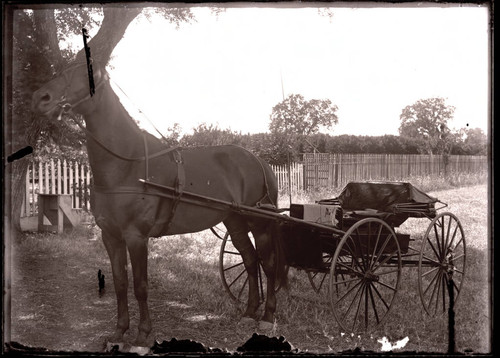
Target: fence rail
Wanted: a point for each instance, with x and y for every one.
(317, 170)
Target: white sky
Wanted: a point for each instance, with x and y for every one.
(370, 62)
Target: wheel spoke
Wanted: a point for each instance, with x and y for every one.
(458, 257)
(237, 278)
(345, 281)
(387, 286)
(432, 246)
(445, 246)
(233, 266)
(357, 273)
(432, 281)
(430, 271)
(385, 260)
(453, 237)
(437, 263)
(436, 286)
(232, 252)
(380, 297)
(349, 291)
(373, 303)
(388, 272)
(376, 244)
(242, 288)
(354, 255)
(366, 305)
(321, 282)
(362, 289)
(382, 249)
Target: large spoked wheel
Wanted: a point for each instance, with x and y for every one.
(443, 253)
(233, 273)
(365, 275)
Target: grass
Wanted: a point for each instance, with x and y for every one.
(187, 299)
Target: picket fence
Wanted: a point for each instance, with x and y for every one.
(289, 177)
(316, 171)
(56, 177)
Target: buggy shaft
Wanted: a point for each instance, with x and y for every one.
(202, 200)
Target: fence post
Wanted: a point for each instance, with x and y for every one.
(65, 178)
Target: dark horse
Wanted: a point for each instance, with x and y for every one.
(129, 211)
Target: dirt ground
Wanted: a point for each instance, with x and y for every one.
(56, 303)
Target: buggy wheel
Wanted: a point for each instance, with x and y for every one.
(365, 275)
(318, 278)
(443, 252)
(233, 273)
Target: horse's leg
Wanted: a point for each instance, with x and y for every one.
(117, 253)
(137, 246)
(265, 249)
(238, 230)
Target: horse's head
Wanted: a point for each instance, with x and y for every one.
(69, 90)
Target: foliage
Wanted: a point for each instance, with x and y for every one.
(273, 149)
(296, 116)
(428, 119)
(294, 119)
(474, 141)
(209, 134)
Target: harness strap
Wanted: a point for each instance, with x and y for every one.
(146, 154)
(180, 181)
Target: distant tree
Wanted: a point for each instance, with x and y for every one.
(475, 142)
(210, 134)
(428, 119)
(295, 118)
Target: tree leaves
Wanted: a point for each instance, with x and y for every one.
(428, 119)
(295, 118)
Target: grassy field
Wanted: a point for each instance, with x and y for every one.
(56, 305)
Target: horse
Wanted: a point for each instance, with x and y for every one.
(124, 159)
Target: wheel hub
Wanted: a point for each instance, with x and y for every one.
(371, 277)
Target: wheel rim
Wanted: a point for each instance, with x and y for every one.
(443, 251)
(233, 273)
(365, 275)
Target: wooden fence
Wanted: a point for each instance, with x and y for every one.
(56, 177)
(295, 178)
(336, 170)
(317, 170)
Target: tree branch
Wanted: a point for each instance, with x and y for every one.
(113, 27)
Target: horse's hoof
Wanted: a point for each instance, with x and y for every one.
(114, 347)
(266, 327)
(247, 322)
(140, 350)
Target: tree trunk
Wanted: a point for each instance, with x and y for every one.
(25, 129)
(113, 27)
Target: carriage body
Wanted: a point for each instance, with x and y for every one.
(392, 202)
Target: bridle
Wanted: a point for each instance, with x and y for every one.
(64, 104)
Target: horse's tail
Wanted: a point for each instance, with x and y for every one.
(281, 261)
